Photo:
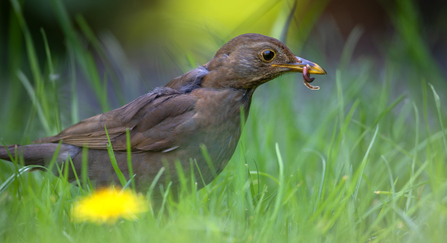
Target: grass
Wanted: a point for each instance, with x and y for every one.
(363, 159)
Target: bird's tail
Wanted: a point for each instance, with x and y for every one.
(38, 154)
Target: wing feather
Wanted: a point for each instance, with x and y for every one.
(152, 119)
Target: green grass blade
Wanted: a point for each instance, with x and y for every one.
(129, 158)
(117, 170)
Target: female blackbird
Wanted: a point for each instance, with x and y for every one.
(198, 109)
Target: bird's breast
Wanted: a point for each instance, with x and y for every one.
(218, 117)
(220, 108)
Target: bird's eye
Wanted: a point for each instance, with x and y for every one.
(268, 55)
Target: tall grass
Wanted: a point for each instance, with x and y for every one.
(360, 160)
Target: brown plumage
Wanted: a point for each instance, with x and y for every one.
(171, 123)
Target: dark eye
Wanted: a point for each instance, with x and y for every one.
(268, 55)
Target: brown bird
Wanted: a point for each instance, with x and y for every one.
(169, 124)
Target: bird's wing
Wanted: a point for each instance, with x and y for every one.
(152, 119)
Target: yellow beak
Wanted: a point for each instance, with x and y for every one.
(298, 66)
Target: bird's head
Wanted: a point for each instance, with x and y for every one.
(250, 60)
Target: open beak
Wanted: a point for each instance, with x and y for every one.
(298, 66)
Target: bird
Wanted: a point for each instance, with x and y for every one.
(173, 125)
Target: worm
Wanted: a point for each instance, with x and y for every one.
(307, 79)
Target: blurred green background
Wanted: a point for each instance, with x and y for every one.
(147, 43)
(308, 164)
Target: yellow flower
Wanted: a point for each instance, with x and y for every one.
(109, 204)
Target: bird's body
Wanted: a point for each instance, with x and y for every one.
(172, 123)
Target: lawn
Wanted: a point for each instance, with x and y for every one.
(362, 159)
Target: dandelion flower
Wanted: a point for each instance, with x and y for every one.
(109, 204)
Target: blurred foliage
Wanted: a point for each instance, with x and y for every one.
(308, 163)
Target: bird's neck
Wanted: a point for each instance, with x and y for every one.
(247, 101)
(204, 82)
